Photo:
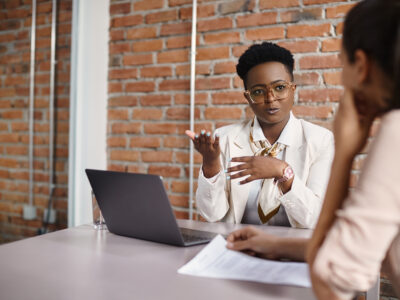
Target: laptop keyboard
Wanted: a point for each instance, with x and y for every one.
(191, 235)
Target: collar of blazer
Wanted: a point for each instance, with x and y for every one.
(291, 136)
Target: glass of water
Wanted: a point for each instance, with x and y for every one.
(98, 220)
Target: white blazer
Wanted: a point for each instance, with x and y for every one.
(309, 152)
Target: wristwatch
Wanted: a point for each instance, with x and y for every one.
(287, 174)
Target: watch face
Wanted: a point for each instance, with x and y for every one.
(287, 174)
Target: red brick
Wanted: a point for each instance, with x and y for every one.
(142, 86)
(155, 100)
(311, 2)
(181, 214)
(116, 141)
(322, 112)
(141, 33)
(212, 53)
(7, 92)
(181, 113)
(180, 186)
(163, 16)
(309, 78)
(179, 2)
(173, 56)
(128, 128)
(138, 59)
(218, 113)
(120, 48)
(144, 142)
(203, 11)
(333, 78)
(9, 138)
(156, 72)
(256, 19)
(120, 8)
(339, 11)
(270, 33)
(147, 46)
(114, 114)
(321, 95)
(147, 114)
(175, 29)
(329, 45)
(148, 5)
(179, 42)
(184, 70)
(339, 28)
(122, 74)
(294, 31)
(200, 98)
(300, 46)
(183, 157)
(12, 114)
(123, 101)
(320, 62)
(228, 98)
(124, 155)
(114, 87)
(157, 156)
(267, 4)
(176, 142)
(301, 15)
(237, 82)
(215, 83)
(116, 35)
(239, 50)
(5, 104)
(225, 67)
(160, 128)
(165, 171)
(174, 85)
(222, 38)
(216, 24)
(8, 163)
(236, 6)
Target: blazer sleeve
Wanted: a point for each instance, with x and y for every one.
(303, 202)
(211, 197)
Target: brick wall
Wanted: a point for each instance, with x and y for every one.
(15, 28)
(150, 71)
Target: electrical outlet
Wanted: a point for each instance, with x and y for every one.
(52, 216)
(29, 212)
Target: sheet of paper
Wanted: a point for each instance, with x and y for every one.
(216, 261)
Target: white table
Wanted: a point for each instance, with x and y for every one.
(82, 263)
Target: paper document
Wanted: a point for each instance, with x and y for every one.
(216, 261)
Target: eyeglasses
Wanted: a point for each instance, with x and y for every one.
(279, 90)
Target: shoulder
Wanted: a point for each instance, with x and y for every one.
(232, 129)
(316, 135)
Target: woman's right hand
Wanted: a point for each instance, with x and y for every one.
(352, 124)
(208, 147)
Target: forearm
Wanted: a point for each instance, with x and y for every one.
(291, 248)
(211, 167)
(335, 195)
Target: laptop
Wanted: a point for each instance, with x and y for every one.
(136, 205)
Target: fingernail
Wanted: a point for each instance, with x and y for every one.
(196, 136)
(228, 177)
(208, 133)
(229, 160)
(203, 131)
(229, 245)
(216, 135)
(226, 170)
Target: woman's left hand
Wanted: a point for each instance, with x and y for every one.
(257, 167)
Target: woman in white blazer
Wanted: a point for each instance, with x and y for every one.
(272, 169)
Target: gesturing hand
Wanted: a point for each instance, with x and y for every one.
(254, 242)
(257, 167)
(209, 149)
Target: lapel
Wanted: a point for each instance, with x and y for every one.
(294, 154)
(240, 146)
(239, 193)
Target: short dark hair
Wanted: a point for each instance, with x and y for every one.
(374, 27)
(262, 53)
